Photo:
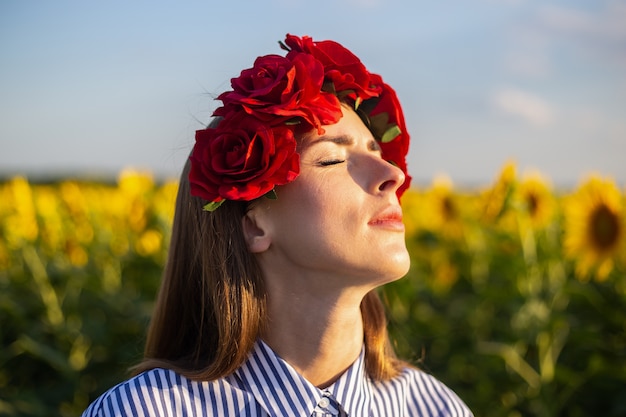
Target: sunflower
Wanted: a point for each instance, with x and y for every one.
(595, 233)
(20, 214)
(444, 208)
(412, 211)
(496, 200)
(535, 200)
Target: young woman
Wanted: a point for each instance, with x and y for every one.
(287, 220)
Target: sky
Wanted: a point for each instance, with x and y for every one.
(92, 88)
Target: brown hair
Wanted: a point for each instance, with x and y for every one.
(211, 307)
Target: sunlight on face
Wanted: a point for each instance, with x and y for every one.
(339, 223)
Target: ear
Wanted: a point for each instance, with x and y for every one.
(256, 230)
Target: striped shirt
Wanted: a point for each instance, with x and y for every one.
(266, 385)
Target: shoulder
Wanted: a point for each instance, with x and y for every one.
(163, 392)
(426, 394)
(143, 395)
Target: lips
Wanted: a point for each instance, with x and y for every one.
(390, 218)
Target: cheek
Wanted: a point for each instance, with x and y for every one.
(320, 204)
(310, 217)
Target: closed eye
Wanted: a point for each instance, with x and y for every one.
(331, 162)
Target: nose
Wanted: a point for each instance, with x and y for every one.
(389, 177)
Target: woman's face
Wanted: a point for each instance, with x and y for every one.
(339, 221)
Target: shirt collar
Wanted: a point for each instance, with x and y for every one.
(280, 390)
(353, 390)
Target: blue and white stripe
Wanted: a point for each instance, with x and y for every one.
(266, 385)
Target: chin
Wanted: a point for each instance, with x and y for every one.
(398, 267)
(401, 274)
(403, 267)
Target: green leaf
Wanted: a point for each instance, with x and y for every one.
(271, 195)
(343, 94)
(368, 105)
(213, 205)
(329, 87)
(378, 125)
(283, 46)
(293, 121)
(391, 133)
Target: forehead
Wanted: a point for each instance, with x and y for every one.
(348, 130)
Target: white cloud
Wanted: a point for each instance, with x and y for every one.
(553, 33)
(566, 19)
(608, 24)
(599, 35)
(529, 107)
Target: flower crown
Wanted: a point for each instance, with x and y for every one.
(253, 148)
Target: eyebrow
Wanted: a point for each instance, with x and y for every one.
(339, 140)
(372, 145)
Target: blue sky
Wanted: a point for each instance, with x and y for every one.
(95, 87)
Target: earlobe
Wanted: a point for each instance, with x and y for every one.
(256, 235)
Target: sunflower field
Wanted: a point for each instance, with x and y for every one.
(516, 297)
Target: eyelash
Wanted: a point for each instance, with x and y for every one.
(331, 162)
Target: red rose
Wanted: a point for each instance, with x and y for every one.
(277, 89)
(253, 149)
(242, 159)
(348, 75)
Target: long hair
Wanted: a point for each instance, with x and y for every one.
(211, 306)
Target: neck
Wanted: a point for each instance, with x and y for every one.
(320, 335)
